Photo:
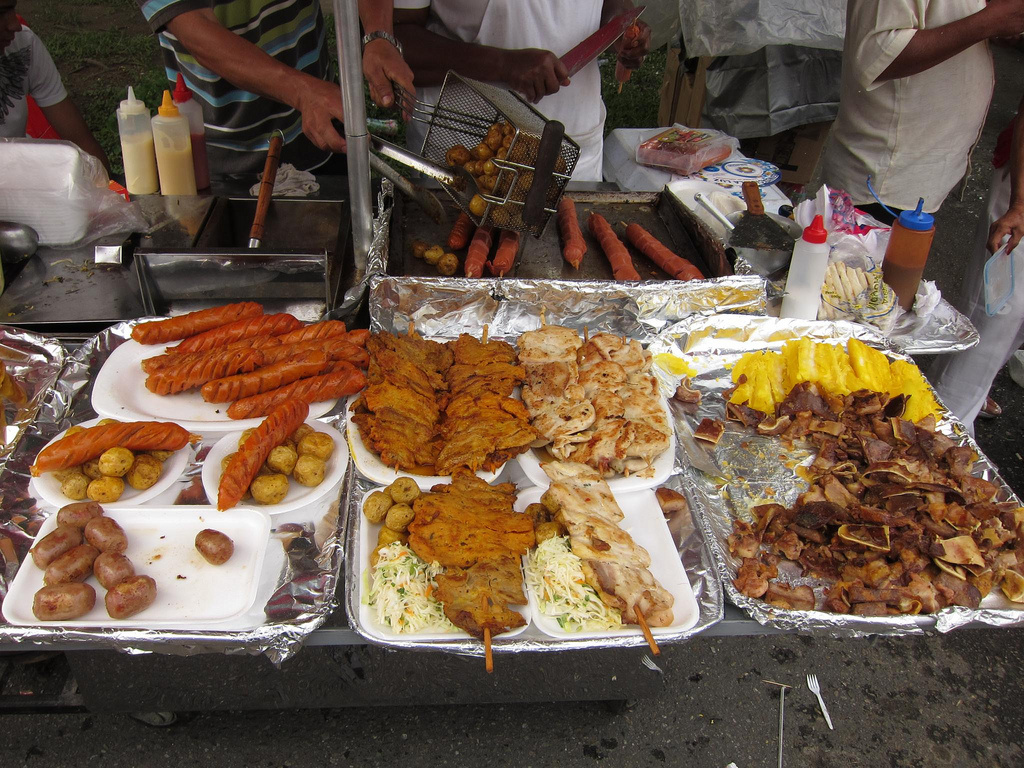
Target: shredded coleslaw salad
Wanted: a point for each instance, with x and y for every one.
(401, 590)
(555, 575)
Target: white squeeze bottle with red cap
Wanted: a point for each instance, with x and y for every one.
(806, 273)
(173, 150)
(191, 109)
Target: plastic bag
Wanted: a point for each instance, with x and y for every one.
(62, 193)
(685, 150)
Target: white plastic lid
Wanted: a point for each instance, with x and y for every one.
(132, 105)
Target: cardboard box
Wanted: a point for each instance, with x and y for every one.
(682, 92)
(796, 151)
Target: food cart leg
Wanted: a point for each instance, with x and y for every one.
(350, 58)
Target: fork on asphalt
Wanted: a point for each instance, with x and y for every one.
(812, 683)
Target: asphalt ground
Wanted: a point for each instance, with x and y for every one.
(939, 700)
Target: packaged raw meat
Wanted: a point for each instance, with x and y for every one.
(686, 150)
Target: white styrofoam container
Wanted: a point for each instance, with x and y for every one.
(50, 186)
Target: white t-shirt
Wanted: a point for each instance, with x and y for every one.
(26, 69)
(912, 135)
(553, 25)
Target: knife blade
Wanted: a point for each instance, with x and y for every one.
(598, 43)
(696, 455)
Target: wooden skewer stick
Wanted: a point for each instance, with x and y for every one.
(543, 317)
(488, 656)
(586, 335)
(483, 339)
(647, 631)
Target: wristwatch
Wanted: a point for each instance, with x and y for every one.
(381, 34)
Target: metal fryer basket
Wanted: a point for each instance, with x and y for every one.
(465, 110)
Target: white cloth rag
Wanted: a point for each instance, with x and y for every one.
(290, 182)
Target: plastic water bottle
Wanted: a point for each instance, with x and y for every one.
(806, 273)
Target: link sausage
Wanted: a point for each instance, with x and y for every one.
(63, 601)
(271, 432)
(264, 325)
(216, 547)
(130, 597)
(479, 250)
(62, 539)
(106, 535)
(505, 256)
(264, 379)
(183, 326)
(335, 348)
(88, 444)
(77, 515)
(614, 250)
(212, 365)
(462, 230)
(654, 250)
(73, 565)
(346, 380)
(111, 568)
(574, 247)
(326, 329)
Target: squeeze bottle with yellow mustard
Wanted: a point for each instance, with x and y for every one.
(137, 146)
(173, 150)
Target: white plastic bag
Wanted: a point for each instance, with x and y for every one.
(61, 192)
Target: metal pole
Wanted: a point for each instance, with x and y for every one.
(350, 59)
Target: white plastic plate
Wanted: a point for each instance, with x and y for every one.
(645, 522)
(47, 486)
(373, 469)
(298, 495)
(368, 616)
(119, 392)
(530, 462)
(161, 543)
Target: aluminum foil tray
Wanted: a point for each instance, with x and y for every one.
(309, 541)
(757, 467)
(688, 538)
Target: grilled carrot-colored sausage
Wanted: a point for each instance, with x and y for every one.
(91, 442)
(212, 365)
(462, 230)
(574, 247)
(328, 329)
(336, 348)
(479, 250)
(271, 432)
(505, 256)
(264, 379)
(358, 336)
(653, 249)
(614, 250)
(344, 380)
(183, 326)
(272, 325)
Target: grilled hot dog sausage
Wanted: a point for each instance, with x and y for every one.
(62, 539)
(73, 565)
(111, 568)
(63, 601)
(106, 535)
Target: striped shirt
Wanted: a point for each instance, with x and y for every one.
(239, 123)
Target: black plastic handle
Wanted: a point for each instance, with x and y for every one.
(547, 156)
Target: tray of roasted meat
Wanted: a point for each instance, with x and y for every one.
(596, 236)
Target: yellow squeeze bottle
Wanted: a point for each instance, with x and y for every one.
(173, 150)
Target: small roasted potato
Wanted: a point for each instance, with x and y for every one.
(73, 565)
(482, 152)
(227, 460)
(75, 486)
(457, 155)
(269, 489)
(507, 129)
(78, 515)
(282, 459)
(486, 183)
(418, 248)
(538, 513)
(106, 535)
(550, 503)
(105, 490)
(502, 153)
(265, 470)
(104, 422)
(215, 547)
(493, 142)
(388, 536)
(318, 444)
(160, 455)
(245, 436)
(62, 539)
(399, 517)
(404, 490)
(73, 430)
(477, 206)
(301, 432)
(448, 264)
(130, 597)
(144, 473)
(61, 602)
(490, 169)
(433, 254)
(309, 470)
(472, 167)
(547, 531)
(376, 506)
(91, 469)
(111, 568)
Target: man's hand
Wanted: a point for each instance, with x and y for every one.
(535, 73)
(320, 102)
(1009, 16)
(633, 48)
(1010, 223)
(382, 66)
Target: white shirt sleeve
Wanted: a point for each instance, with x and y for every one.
(44, 84)
(877, 31)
